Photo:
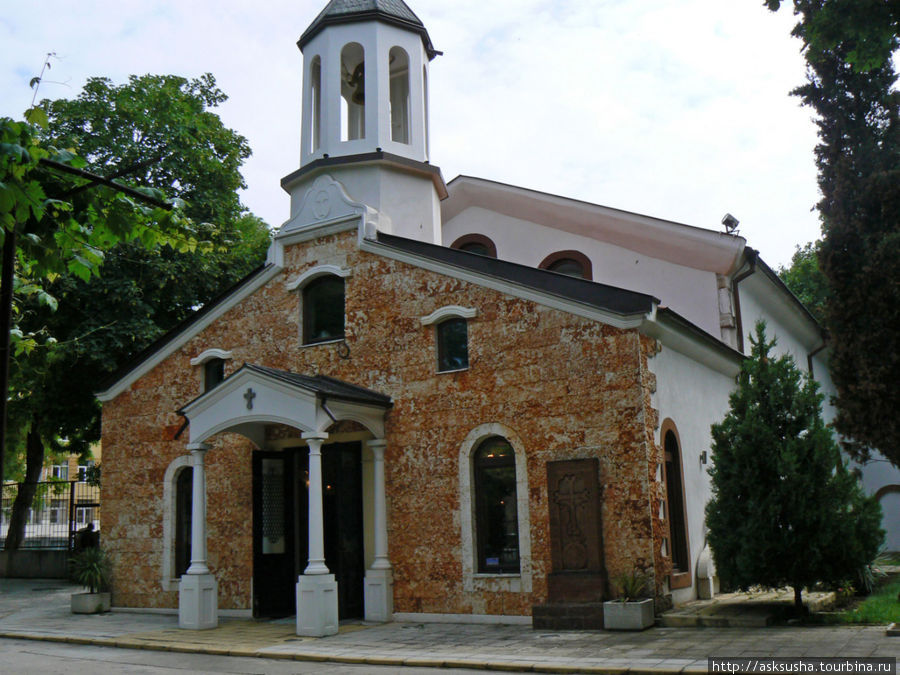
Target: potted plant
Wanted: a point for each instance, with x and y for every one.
(90, 568)
(632, 610)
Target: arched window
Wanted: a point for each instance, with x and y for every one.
(315, 95)
(353, 92)
(675, 513)
(398, 65)
(570, 263)
(476, 243)
(496, 506)
(183, 503)
(323, 309)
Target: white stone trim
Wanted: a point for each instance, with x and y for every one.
(426, 617)
(195, 328)
(472, 580)
(315, 273)
(209, 355)
(169, 580)
(447, 312)
(229, 613)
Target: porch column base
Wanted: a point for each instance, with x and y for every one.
(379, 595)
(198, 602)
(317, 605)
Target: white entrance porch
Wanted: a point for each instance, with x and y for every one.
(246, 402)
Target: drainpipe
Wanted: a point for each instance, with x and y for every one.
(752, 255)
(809, 359)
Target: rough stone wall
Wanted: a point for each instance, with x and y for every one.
(569, 387)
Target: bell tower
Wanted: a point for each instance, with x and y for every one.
(365, 114)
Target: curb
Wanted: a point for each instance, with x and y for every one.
(511, 665)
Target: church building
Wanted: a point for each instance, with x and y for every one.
(434, 401)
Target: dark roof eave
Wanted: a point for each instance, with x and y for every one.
(607, 298)
(369, 15)
(141, 356)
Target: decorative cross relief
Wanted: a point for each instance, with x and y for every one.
(249, 395)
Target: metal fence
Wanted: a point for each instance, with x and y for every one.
(60, 508)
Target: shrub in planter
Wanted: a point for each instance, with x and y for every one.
(90, 568)
(633, 610)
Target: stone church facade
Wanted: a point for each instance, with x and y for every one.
(434, 401)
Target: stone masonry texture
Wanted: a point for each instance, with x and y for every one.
(570, 387)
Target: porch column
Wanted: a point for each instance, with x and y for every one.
(317, 599)
(198, 602)
(379, 583)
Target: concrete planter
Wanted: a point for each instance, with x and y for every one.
(90, 603)
(630, 615)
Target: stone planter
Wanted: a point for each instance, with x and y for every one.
(90, 603)
(630, 615)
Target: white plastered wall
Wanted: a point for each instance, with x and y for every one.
(690, 292)
(694, 397)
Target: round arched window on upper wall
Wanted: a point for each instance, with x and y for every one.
(570, 263)
(353, 92)
(398, 66)
(476, 243)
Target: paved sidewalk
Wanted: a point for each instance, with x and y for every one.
(39, 609)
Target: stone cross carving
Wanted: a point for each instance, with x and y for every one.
(249, 395)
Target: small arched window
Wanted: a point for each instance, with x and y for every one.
(315, 95)
(184, 484)
(213, 373)
(453, 345)
(398, 65)
(323, 309)
(675, 504)
(496, 506)
(570, 263)
(476, 243)
(353, 92)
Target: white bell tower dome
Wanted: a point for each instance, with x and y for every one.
(365, 114)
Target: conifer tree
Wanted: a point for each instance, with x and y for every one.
(785, 510)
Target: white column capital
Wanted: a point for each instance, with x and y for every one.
(197, 447)
(377, 446)
(316, 438)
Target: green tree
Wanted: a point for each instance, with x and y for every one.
(784, 510)
(805, 279)
(851, 84)
(56, 219)
(159, 131)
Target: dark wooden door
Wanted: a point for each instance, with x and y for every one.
(273, 534)
(343, 521)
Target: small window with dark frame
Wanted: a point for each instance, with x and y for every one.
(453, 345)
(496, 507)
(323, 309)
(213, 373)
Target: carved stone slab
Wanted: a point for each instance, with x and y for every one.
(576, 545)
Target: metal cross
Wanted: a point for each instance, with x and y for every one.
(249, 395)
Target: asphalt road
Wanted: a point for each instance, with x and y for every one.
(53, 658)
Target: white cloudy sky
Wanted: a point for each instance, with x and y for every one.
(673, 108)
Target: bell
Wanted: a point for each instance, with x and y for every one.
(358, 80)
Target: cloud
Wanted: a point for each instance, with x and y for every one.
(674, 108)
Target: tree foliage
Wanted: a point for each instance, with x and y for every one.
(851, 84)
(784, 510)
(805, 279)
(157, 131)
